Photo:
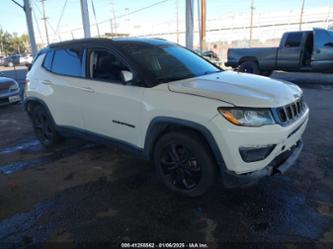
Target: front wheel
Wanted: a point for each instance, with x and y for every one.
(249, 67)
(44, 127)
(184, 163)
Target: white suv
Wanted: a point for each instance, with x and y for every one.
(163, 101)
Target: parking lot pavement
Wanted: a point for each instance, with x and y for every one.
(82, 192)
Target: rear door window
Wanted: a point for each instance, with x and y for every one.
(69, 62)
(293, 40)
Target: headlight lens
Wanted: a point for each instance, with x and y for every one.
(247, 116)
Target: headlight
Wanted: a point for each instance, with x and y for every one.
(247, 116)
(13, 87)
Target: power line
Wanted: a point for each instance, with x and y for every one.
(59, 21)
(124, 15)
(38, 28)
(135, 11)
(41, 14)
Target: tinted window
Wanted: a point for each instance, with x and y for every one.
(68, 62)
(323, 38)
(48, 60)
(105, 66)
(293, 40)
(169, 62)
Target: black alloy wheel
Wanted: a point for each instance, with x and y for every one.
(44, 127)
(180, 166)
(185, 163)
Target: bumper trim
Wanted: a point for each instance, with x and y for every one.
(233, 180)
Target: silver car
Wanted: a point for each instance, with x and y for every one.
(9, 91)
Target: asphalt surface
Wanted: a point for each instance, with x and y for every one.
(84, 195)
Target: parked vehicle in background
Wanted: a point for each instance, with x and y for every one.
(9, 91)
(166, 103)
(209, 55)
(308, 51)
(26, 59)
(2, 58)
(12, 60)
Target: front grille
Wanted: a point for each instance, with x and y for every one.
(290, 112)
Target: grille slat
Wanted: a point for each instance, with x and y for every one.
(290, 112)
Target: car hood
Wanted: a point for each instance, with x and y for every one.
(239, 89)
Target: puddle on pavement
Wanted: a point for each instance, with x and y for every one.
(26, 164)
(18, 229)
(30, 145)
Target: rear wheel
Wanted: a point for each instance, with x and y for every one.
(184, 163)
(44, 127)
(249, 67)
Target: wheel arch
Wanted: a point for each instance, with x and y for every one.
(161, 125)
(31, 102)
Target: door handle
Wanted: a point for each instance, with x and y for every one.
(46, 82)
(87, 89)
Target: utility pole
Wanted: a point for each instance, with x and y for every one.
(199, 24)
(44, 18)
(114, 17)
(1, 37)
(301, 16)
(251, 22)
(177, 20)
(27, 9)
(189, 24)
(203, 26)
(85, 18)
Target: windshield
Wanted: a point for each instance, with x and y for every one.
(170, 62)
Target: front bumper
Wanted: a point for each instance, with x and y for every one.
(230, 138)
(277, 167)
(10, 97)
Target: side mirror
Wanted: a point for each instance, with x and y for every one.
(126, 76)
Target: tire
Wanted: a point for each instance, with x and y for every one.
(249, 67)
(184, 163)
(10, 64)
(44, 127)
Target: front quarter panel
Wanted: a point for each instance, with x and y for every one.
(160, 102)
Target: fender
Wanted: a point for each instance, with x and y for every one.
(30, 100)
(158, 125)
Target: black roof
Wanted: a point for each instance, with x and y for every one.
(105, 41)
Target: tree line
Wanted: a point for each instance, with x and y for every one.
(12, 43)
